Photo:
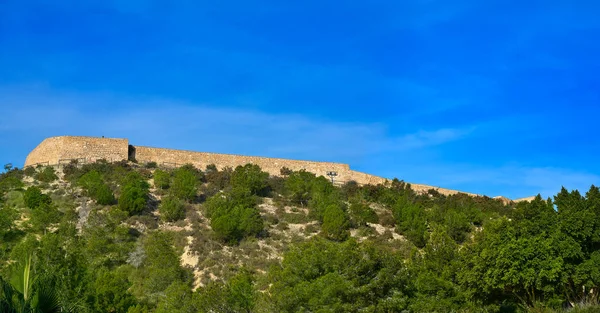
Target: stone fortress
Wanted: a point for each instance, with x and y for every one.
(64, 149)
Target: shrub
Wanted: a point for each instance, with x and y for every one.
(350, 189)
(250, 177)
(43, 216)
(284, 171)
(412, 223)
(104, 195)
(95, 188)
(29, 171)
(151, 165)
(162, 179)
(387, 219)
(47, 175)
(361, 214)
(234, 217)
(298, 187)
(335, 223)
(219, 179)
(185, 181)
(34, 198)
(134, 194)
(171, 209)
(211, 168)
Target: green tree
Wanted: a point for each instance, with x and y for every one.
(335, 223)
(238, 294)
(110, 291)
(185, 183)
(43, 216)
(361, 214)
(96, 188)
(108, 240)
(411, 222)
(34, 197)
(232, 225)
(160, 268)
(179, 298)
(162, 179)
(325, 276)
(299, 187)
(250, 177)
(8, 215)
(171, 209)
(47, 175)
(134, 194)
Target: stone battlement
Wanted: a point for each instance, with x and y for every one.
(64, 149)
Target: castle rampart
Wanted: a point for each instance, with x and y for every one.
(63, 149)
(202, 159)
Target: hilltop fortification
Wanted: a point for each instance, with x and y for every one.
(64, 149)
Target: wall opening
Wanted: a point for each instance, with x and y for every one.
(131, 153)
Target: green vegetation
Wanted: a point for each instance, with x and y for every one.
(46, 175)
(162, 179)
(171, 209)
(134, 194)
(96, 188)
(185, 182)
(96, 238)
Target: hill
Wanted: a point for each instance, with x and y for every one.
(138, 237)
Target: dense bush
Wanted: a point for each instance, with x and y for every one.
(335, 223)
(462, 253)
(218, 180)
(171, 209)
(34, 197)
(185, 183)
(323, 276)
(250, 177)
(232, 225)
(96, 188)
(361, 214)
(162, 179)
(46, 175)
(234, 216)
(134, 194)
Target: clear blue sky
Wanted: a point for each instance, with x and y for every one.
(497, 97)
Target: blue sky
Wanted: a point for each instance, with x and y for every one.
(492, 97)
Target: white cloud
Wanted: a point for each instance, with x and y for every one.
(202, 127)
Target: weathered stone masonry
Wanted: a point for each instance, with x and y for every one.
(61, 150)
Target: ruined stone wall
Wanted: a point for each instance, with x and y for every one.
(56, 150)
(171, 157)
(47, 152)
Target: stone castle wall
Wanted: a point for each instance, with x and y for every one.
(61, 150)
(273, 166)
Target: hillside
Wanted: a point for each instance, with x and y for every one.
(136, 237)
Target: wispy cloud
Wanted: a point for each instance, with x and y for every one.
(206, 127)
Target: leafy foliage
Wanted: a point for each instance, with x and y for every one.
(96, 188)
(457, 253)
(340, 277)
(171, 209)
(185, 183)
(162, 179)
(234, 215)
(134, 194)
(34, 198)
(47, 175)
